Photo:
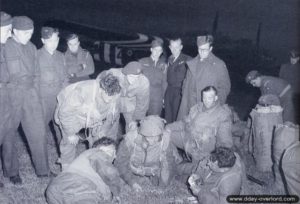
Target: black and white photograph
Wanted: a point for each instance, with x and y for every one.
(149, 101)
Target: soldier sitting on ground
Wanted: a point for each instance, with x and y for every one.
(207, 126)
(222, 178)
(90, 178)
(146, 152)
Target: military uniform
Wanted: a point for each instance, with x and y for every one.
(157, 76)
(27, 107)
(282, 89)
(291, 73)
(211, 71)
(52, 77)
(291, 168)
(91, 178)
(80, 65)
(175, 76)
(134, 101)
(137, 158)
(200, 132)
(80, 105)
(216, 186)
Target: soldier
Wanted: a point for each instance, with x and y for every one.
(90, 178)
(291, 73)
(52, 73)
(175, 76)
(5, 108)
(204, 70)
(155, 69)
(146, 152)
(207, 126)
(86, 104)
(21, 56)
(223, 178)
(79, 61)
(276, 86)
(134, 101)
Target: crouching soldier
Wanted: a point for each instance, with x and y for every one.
(146, 152)
(134, 101)
(86, 104)
(207, 126)
(223, 177)
(90, 178)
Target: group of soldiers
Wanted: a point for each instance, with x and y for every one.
(193, 143)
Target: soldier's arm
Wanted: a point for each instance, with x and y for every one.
(224, 132)
(122, 164)
(142, 100)
(89, 66)
(229, 186)
(165, 82)
(37, 73)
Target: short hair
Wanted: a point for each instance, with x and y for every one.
(175, 39)
(209, 88)
(110, 84)
(224, 155)
(104, 141)
(71, 37)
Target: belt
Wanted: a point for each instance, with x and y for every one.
(283, 92)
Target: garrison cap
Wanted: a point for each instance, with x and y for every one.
(47, 32)
(201, 40)
(269, 99)
(5, 19)
(132, 68)
(157, 43)
(152, 126)
(22, 23)
(252, 75)
(71, 37)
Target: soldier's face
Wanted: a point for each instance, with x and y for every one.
(73, 45)
(110, 150)
(23, 36)
(204, 50)
(108, 99)
(213, 165)
(156, 52)
(256, 82)
(294, 60)
(175, 47)
(5, 33)
(51, 43)
(209, 98)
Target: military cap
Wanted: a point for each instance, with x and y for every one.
(269, 99)
(47, 32)
(5, 19)
(152, 126)
(22, 23)
(294, 53)
(132, 68)
(252, 75)
(157, 43)
(201, 40)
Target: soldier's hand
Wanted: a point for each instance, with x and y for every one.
(136, 187)
(132, 126)
(73, 139)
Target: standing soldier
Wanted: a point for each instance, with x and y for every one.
(53, 73)
(79, 61)
(21, 56)
(204, 70)
(5, 108)
(291, 73)
(175, 76)
(155, 69)
(277, 87)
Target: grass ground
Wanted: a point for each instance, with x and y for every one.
(33, 188)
